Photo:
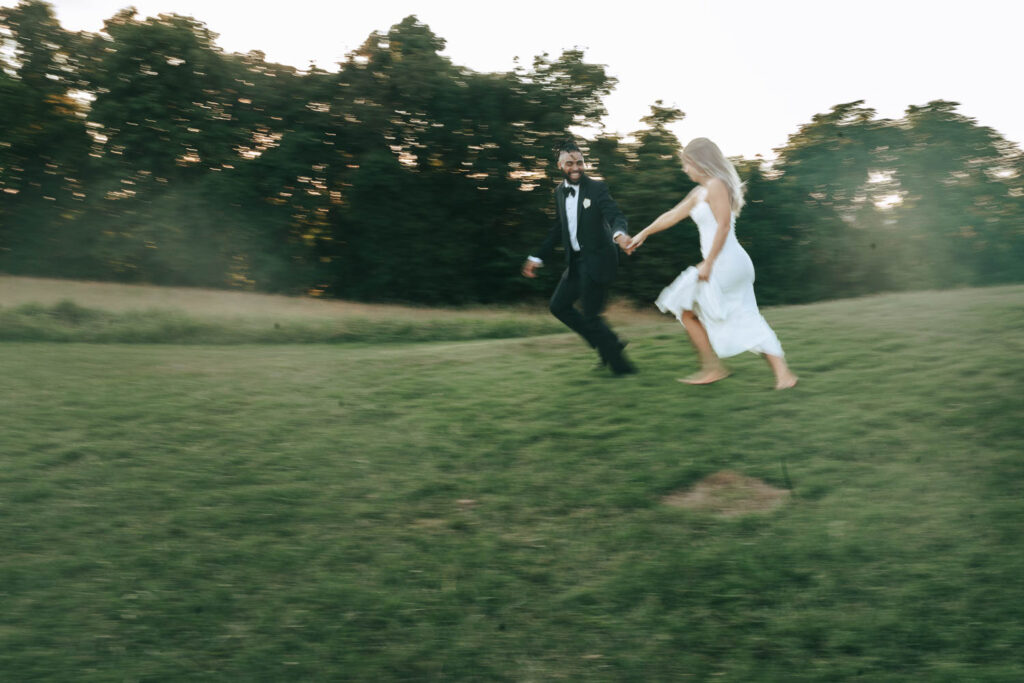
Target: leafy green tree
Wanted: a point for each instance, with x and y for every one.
(960, 186)
(43, 142)
(823, 218)
(164, 99)
(177, 124)
(646, 177)
(464, 159)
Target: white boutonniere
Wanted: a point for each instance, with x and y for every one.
(586, 203)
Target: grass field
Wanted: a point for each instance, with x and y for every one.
(493, 509)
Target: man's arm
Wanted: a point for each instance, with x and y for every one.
(533, 262)
(614, 216)
(548, 248)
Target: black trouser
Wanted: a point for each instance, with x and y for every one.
(574, 286)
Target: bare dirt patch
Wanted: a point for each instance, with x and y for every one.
(729, 494)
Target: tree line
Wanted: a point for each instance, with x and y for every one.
(144, 153)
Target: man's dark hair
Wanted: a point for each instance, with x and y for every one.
(568, 145)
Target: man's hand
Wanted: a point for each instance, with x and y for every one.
(530, 268)
(623, 239)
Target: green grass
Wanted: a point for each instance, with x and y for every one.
(48, 310)
(490, 509)
(67, 321)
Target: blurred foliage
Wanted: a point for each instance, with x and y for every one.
(145, 153)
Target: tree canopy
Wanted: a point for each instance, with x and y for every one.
(145, 153)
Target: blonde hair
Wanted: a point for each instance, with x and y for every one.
(706, 156)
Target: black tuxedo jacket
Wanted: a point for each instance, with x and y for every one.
(597, 218)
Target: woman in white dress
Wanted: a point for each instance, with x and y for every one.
(715, 299)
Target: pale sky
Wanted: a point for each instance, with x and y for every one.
(747, 73)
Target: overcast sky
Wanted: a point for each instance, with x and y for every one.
(747, 73)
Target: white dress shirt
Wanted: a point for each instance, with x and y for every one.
(571, 202)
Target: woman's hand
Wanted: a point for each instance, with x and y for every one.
(704, 270)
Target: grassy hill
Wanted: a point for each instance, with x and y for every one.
(478, 508)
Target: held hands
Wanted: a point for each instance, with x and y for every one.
(530, 268)
(635, 242)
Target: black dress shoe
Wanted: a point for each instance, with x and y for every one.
(603, 363)
(621, 366)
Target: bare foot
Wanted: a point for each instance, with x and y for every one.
(706, 376)
(787, 381)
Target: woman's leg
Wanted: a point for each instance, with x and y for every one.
(784, 377)
(712, 369)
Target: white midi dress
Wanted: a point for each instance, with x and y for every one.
(725, 303)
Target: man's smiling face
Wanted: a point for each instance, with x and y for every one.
(572, 165)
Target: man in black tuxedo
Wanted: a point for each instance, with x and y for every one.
(589, 227)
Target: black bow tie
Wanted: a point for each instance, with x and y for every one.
(571, 190)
